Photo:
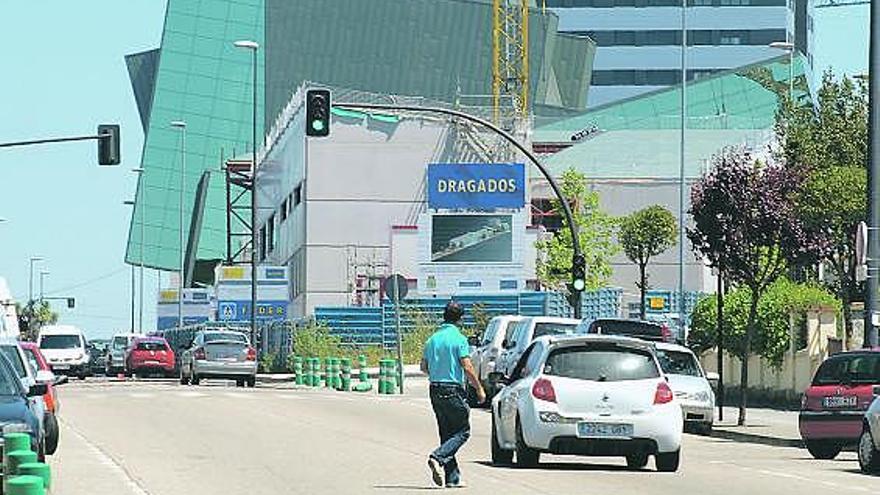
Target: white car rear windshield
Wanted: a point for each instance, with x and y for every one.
(225, 337)
(678, 363)
(542, 329)
(60, 342)
(601, 363)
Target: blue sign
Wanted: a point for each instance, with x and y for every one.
(476, 186)
(241, 310)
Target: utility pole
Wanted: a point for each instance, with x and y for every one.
(871, 285)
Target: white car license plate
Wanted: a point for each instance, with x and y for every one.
(605, 430)
(840, 401)
(61, 366)
(152, 363)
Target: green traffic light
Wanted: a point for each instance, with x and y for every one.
(579, 285)
(318, 125)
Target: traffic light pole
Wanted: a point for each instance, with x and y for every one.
(55, 140)
(566, 209)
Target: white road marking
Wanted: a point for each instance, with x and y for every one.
(109, 461)
(779, 474)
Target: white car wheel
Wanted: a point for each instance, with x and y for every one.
(869, 457)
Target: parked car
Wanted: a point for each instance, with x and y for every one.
(150, 356)
(522, 333)
(98, 356)
(488, 349)
(65, 348)
(834, 405)
(591, 396)
(44, 375)
(219, 354)
(639, 329)
(18, 411)
(16, 356)
(691, 386)
(118, 352)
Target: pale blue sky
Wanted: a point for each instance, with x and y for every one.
(64, 73)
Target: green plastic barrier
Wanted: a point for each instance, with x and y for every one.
(16, 441)
(346, 375)
(298, 370)
(364, 384)
(25, 485)
(17, 458)
(38, 469)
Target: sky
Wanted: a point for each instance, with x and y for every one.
(64, 73)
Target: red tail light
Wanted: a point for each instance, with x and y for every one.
(252, 354)
(663, 393)
(665, 333)
(199, 354)
(543, 389)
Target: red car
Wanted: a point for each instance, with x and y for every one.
(39, 363)
(833, 407)
(150, 356)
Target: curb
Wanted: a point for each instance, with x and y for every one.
(754, 438)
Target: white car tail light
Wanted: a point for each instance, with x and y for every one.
(663, 394)
(543, 390)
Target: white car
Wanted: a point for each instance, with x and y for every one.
(65, 349)
(522, 333)
(691, 386)
(487, 351)
(590, 396)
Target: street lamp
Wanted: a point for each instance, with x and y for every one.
(253, 46)
(43, 274)
(143, 195)
(681, 171)
(177, 124)
(131, 203)
(33, 260)
(788, 47)
(3, 220)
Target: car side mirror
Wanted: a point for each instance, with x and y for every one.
(45, 376)
(712, 377)
(498, 380)
(61, 379)
(38, 389)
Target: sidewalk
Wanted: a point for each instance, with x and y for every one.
(409, 371)
(763, 426)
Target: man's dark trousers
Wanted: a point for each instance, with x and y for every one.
(453, 422)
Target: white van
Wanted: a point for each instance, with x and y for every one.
(65, 348)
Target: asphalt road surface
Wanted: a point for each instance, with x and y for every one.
(159, 438)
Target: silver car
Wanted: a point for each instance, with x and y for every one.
(219, 354)
(869, 442)
(485, 354)
(522, 333)
(691, 386)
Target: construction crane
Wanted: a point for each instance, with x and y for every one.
(510, 62)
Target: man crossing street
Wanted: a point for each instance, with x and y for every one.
(447, 362)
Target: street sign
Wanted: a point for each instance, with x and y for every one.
(861, 246)
(401, 285)
(227, 311)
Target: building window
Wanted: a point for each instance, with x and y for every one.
(544, 215)
(730, 39)
(262, 241)
(284, 209)
(270, 232)
(297, 195)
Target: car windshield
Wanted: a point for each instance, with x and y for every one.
(854, 368)
(11, 353)
(120, 342)
(628, 328)
(59, 342)
(602, 363)
(678, 363)
(9, 384)
(545, 328)
(225, 337)
(150, 345)
(32, 358)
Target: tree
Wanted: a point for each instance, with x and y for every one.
(643, 235)
(829, 144)
(34, 315)
(596, 234)
(745, 222)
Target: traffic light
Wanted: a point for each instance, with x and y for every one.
(579, 273)
(71, 302)
(318, 112)
(108, 147)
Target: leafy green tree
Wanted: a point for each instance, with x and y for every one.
(643, 235)
(771, 338)
(32, 316)
(829, 145)
(596, 234)
(746, 222)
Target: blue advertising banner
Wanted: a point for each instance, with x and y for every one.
(476, 186)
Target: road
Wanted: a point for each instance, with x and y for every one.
(159, 438)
